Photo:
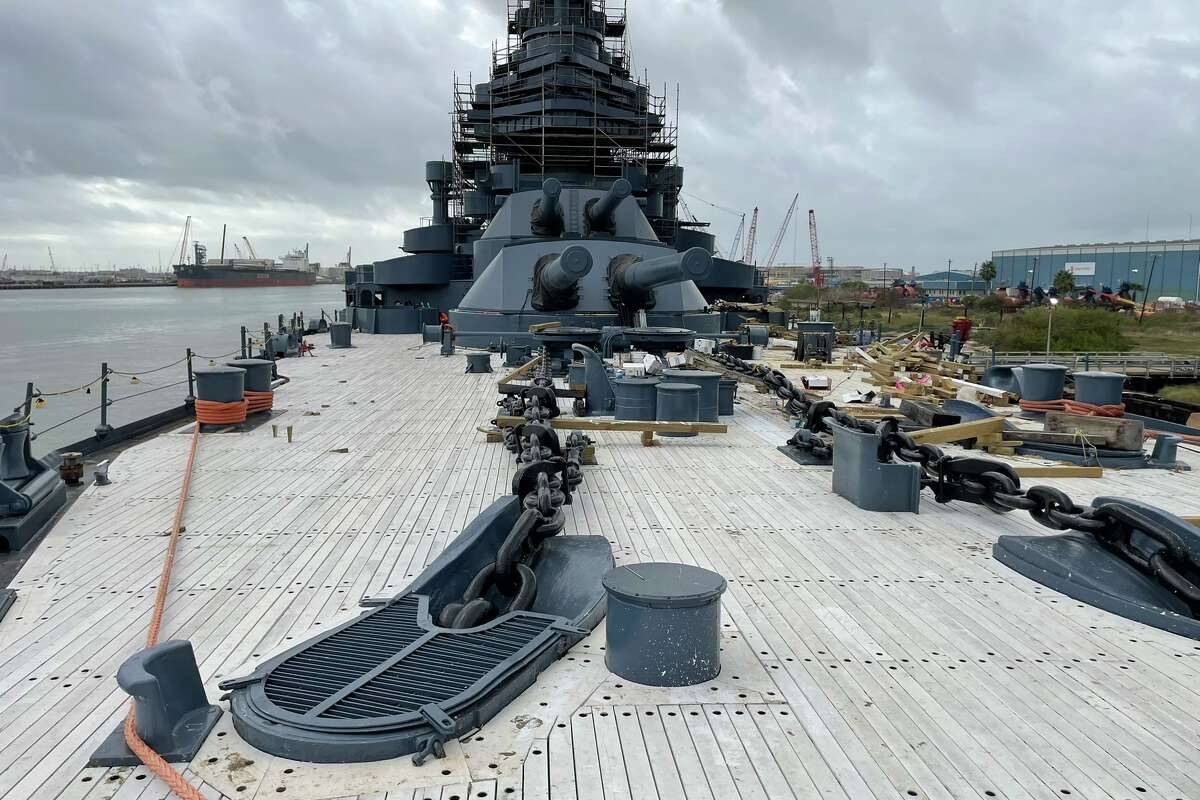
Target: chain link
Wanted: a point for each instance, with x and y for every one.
(543, 485)
(1150, 547)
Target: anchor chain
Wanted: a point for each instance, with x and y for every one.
(549, 473)
(1149, 546)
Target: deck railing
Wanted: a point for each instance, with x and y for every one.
(1138, 364)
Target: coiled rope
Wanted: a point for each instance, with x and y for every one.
(211, 412)
(153, 761)
(259, 401)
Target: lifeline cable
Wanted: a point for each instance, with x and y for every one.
(153, 761)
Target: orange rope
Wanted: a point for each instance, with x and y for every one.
(1190, 438)
(1074, 407)
(259, 401)
(214, 413)
(153, 761)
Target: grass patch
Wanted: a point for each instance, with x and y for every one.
(1187, 393)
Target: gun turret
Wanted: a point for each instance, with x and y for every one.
(632, 282)
(556, 280)
(546, 218)
(601, 211)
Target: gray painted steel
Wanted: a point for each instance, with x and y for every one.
(758, 334)
(479, 363)
(220, 384)
(391, 682)
(7, 598)
(1003, 378)
(31, 492)
(859, 477)
(637, 398)
(727, 389)
(598, 389)
(677, 402)
(1099, 388)
(173, 713)
(258, 373)
(710, 390)
(431, 333)
(664, 623)
(1077, 565)
(340, 335)
(1041, 382)
(515, 355)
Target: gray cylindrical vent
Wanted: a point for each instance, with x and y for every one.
(636, 398)
(431, 333)
(677, 402)
(220, 384)
(339, 335)
(1041, 382)
(664, 623)
(258, 373)
(709, 383)
(1099, 388)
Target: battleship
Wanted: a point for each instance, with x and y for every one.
(563, 144)
(579, 537)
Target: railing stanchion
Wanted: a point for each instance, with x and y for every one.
(244, 342)
(191, 398)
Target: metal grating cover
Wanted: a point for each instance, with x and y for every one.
(316, 674)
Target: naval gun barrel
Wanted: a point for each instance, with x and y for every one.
(601, 212)
(641, 276)
(547, 212)
(563, 273)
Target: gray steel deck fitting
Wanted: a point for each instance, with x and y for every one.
(664, 623)
(859, 477)
(173, 713)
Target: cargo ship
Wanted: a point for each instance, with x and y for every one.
(203, 273)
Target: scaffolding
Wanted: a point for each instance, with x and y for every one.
(564, 118)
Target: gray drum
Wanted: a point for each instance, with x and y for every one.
(258, 373)
(339, 335)
(727, 388)
(220, 384)
(1099, 388)
(1041, 382)
(758, 334)
(636, 398)
(710, 391)
(515, 355)
(677, 402)
(431, 333)
(664, 624)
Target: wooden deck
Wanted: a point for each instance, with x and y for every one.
(865, 655)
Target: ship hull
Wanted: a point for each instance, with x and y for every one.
(229, 278)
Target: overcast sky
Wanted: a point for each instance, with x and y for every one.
(919, 131)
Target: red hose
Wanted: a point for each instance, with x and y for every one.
(1074, 407)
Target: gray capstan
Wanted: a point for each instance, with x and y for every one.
(564, 175)
(258, 373)
(220, 384)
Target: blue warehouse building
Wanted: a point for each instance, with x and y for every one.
(1176, 271)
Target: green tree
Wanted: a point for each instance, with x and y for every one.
(1064, 281)
(987, 272)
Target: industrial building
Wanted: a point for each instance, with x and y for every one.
(782, 276)
(940, 285)
(1174, 273)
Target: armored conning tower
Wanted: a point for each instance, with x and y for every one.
(562, 103)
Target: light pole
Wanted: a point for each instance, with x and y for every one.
(1050, 325)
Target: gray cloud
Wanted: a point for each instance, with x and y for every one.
(919, 131)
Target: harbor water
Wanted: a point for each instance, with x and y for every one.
(58, 338)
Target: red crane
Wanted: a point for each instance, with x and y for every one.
(748, 257)
(817, 277)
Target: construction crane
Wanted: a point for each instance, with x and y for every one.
(737, 238)
(250, 248)
(52, 267)
(4, 265)
(817, 278)
(183, 244)
(237, 250)
(748, 256)
(787, 220)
